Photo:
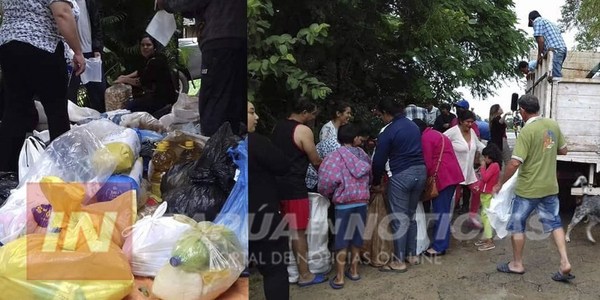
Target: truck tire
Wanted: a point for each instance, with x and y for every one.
(184, 84)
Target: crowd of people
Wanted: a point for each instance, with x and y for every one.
(468, 171)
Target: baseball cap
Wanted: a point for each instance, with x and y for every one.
(462, 104)
(534, 14)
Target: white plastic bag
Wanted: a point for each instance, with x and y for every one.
(162, 27)
(499, 211)
(31, 151)
(319, 257)
(151, 241)
(185, 110)
(422, 237)
(93, 70)
(77, 113)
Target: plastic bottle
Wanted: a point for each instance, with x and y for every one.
(162, 161)
(189, 152)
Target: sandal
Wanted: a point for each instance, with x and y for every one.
(334, 285)
(504, 268)
(558, 276)
(349, 276)
(319, 278)
(389, 269)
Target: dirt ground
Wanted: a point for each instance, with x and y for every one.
(465, 273)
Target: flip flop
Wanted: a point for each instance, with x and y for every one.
(334, 285)
(558, 276)
(389, 269)
(504, 268)
(349, 276)
(319, 278)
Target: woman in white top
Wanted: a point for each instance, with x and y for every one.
(342, 112)
(466, 145)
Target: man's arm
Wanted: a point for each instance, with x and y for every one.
(563, 150)
(65, 21)
(179, 6)
(540, 43)
(305, 139)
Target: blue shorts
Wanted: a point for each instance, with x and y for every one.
(350, 226)
(547, 207)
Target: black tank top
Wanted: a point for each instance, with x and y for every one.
(291, 186)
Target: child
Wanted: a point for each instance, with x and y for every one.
(344, 177)
(491, 163)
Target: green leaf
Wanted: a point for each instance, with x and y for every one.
(283, 49)
(290, 57)
(274, 59)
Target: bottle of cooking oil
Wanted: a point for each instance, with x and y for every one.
(162, 161)
(189, 152)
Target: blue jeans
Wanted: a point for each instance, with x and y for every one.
(559, 57)
(547, 207)
(442, 210)
(404, 193)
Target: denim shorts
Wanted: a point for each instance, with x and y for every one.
(547, 207)
(349, 225)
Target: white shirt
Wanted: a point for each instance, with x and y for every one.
(387, 163)
(465, 152)
(84, 28)
(432, 115)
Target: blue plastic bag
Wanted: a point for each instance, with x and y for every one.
(234, 214)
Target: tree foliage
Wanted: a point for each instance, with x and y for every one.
(582, 15)
(415, 50)
(272, 60)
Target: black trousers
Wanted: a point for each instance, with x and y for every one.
(269, 257)
(29, 71)
(223, 89)
(95, 90)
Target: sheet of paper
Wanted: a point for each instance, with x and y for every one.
(162, 27)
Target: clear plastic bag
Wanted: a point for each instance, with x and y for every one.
(213, 251)
(76, 156)
(152, 239)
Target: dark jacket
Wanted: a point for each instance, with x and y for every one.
(94, 10)
(265, 162)
(400, 142)
(157, 81)
(223, 19)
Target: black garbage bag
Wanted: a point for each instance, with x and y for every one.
(200, 189)
(8, 181)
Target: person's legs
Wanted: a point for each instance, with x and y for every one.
(557, 62)
(443, 213)
(521, 209)
(419, 175)
(223, 90)
(343, 237)
(269, 256)
(297, 215)
(486, 200)
(404, 193)
(550, 218)
(20, 84)
(358, 223)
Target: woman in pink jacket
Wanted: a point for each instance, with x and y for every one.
(449, 175)
(344, 177)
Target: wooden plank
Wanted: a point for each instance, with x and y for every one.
(579, 127)
(582, 143)
(579, 88)
(578, 114)
(579, 102)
